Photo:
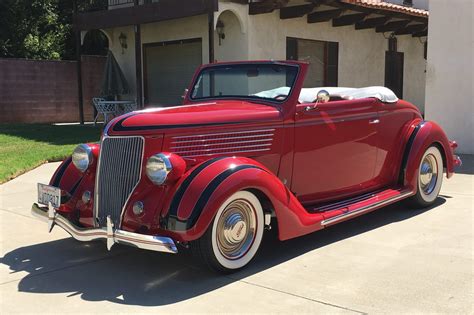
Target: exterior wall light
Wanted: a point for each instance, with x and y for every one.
(123, 42)
(220, 31)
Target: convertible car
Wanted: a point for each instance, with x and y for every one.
(251, 147)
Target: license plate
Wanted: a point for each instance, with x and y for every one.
(49, 194)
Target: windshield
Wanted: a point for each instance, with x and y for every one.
(254, 81)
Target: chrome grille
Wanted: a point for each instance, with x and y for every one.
(223, 143)
(118, 173)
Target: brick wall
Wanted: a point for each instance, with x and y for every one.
(34, 91)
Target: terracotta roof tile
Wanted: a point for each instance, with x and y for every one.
(379, 4)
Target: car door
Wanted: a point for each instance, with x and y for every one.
(335, 149)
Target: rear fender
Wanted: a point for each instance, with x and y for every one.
(203, 190)
(427, 133)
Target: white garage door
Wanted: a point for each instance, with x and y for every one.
(169, 68)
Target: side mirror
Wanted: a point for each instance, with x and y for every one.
(322, 97)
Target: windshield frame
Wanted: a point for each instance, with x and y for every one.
(250, 98)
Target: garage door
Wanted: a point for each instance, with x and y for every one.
(169, 68)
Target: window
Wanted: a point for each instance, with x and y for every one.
(408, 3)
(322, 56)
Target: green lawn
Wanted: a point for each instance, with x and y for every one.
(24, 147)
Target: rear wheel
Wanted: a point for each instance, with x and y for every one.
(234, 236)
(430, 178)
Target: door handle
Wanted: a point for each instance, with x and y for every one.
(310, 108)
(374, 121)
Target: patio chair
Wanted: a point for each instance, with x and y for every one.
(104, 109)
(127, 108)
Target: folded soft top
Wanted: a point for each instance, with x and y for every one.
(308, 95)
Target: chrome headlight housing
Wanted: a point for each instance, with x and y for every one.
(158, 167)
(82, 157)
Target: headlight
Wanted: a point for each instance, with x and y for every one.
(158, 167)
(82, 157)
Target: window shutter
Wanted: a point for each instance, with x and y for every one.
(291, 49)
(332, 64)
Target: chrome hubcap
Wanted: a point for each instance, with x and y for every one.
(428, 174)
(236, 229)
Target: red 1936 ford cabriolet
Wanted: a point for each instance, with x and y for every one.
(249, 143)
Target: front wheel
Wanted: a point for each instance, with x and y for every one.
(234, 236)
(430, 178)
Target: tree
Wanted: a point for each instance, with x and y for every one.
(36, 29)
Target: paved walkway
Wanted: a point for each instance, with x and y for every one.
(395, 260)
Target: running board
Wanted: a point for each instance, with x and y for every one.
(344, 210)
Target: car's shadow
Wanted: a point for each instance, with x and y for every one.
(135, 277)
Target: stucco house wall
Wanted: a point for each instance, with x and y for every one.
(361, 52)
(449, 85)
(125, 57)
(186, 28)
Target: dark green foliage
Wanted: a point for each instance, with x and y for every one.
(36, 29)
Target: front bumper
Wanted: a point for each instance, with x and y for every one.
(457, 161)
(149, 242)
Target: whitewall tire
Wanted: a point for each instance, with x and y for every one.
(235, 234)
(430, 178)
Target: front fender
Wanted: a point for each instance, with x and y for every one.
(428, 133)
(203, 189)
(67, 176)
(71, 182)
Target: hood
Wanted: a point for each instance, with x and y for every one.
(186, 117)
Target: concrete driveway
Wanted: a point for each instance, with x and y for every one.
(395, 260)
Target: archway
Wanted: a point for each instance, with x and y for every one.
(95, 42)
(230, 38)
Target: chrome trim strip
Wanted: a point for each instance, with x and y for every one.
(366, 208)
(228, 138)
(221, 153)
(226, 148)
(113, 236)
(350, 201)
(236, 141)
(224, 133)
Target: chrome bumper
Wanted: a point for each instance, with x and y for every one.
(457, 161)
(149, 242)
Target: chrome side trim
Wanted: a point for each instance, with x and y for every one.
(111, 235)
(225, 143)
(224, 133)
(262, 145)
(228, 152)
(366, 208)
(222, 139)
(343, 203)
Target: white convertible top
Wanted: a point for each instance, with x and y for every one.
(308, 95)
